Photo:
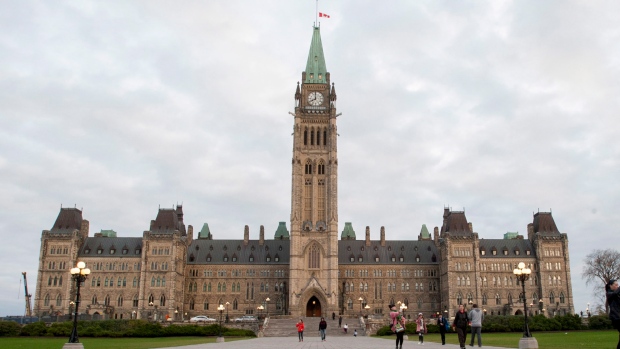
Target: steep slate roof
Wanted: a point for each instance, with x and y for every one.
(510, 244)
(105, 244)
(167, 221)
(217, 249)
(69, 219)
(316, 60)
(408, 249)
(455, 223)
(545, 224)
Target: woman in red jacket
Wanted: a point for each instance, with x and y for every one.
(300, 330)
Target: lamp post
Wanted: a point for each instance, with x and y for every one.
(227, 318)
(220, 308)
(361, 300)
(79, 274)
(523, 274)
(176, 314)
(267, 305)
(367, 307)
(151, 304)
(403, 307)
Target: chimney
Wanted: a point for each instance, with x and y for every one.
(190, 232)
(382, 236)
(246, 235)
(367, 236)
(471, 227)
(261, 238)
(436, 234)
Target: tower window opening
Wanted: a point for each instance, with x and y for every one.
(305, 137)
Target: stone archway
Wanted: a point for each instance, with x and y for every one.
(519, 312)
(313, 307)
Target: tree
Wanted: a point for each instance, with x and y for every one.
(600, 267)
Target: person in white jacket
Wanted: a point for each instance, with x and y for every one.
(475, 317)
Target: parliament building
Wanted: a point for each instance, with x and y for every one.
(307, 268)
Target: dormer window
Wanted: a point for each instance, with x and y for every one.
(87, 251)
(483, 252)
(138, 251)
(276, 259)
(125, 251)
(527, 252)
(505, 252)
(99, 251)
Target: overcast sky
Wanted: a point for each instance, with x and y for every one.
(500, 108)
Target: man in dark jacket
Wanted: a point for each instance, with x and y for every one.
(322, 328)
(460, 324)
(442, 322)
(613, 300)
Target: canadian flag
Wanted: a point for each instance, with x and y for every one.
(321, 14)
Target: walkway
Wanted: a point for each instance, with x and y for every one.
(314, 342)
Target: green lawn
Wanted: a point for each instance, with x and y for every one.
(105, 343)
(546, 340)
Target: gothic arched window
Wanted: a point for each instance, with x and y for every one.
(314, 257)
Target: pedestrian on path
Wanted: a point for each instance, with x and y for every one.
(420, 328)
(339, 321)
(613, 300)
(476, 316)
(322, 328)
(346, 327)
(443, 324)
(460, 324)
(397, 321)
(300, 330)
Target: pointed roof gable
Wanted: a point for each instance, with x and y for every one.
(205, 233)
(281, 232)
(316, 70)
(424, 234)
(68, 220)
(168, 220)
(348, 233)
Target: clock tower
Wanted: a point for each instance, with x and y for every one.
(314, 196)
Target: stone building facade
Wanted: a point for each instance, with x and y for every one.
(311, 271)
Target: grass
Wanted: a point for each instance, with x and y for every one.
(105, 343)
(547, 340)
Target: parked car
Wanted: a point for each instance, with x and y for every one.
(246, 318)
(202, 318)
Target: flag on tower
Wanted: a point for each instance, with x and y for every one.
(325, 15)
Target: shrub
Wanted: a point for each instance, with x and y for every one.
(599, 322)
(9, 328)
(35, 329)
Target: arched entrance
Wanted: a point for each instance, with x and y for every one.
(313, 308)
(519, 312)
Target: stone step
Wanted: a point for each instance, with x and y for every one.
(286, 327)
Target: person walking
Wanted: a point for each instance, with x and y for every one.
(476, 317)
(322, 328)
(339, 321)
(300, 330)
(420, 328)
(397, 319)
(345, 328)
(333, 316)
(613, 300)
(443, 324)
(460, 324)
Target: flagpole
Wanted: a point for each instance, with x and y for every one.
(316, 14)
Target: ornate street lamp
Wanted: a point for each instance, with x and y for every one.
(260, 309)
(523, 274)
(79, 274)
(361, 300)
(220, 308)
(227, 318)
(267, 305)
(367, 307)
(403, 307)
(176, 314)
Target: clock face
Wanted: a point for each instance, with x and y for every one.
(315, 98)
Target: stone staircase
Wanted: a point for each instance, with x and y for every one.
(286, 327)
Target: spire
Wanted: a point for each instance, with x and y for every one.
(316, 71)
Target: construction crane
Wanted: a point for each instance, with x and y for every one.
(27, 296)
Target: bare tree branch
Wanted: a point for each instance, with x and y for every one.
(600, 267)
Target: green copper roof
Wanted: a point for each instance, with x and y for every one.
(348, 233)
(205, 233)
(282, 232)
(315, 68)
(510, 235)
(108, 233)
(424, 232)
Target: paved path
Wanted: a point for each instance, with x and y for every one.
(315, 342)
